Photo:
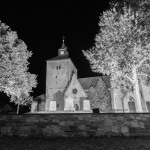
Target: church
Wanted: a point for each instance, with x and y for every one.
(65, 92)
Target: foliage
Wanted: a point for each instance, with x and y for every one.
(122, 46)
(15, 80)
(99, 96)
(125, 85)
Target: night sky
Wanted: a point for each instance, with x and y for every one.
(42, 25)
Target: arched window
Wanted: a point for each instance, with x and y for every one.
(131, 104)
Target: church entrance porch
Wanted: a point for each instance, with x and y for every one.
(72, 104)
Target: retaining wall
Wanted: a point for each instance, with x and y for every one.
(75, 125)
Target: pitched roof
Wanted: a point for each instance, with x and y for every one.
(75, 84)
(88, 82)
(106, 80)
(59, 57)
(92, 81)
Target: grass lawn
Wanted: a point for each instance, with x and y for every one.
(101, 143)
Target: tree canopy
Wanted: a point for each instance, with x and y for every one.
(122, 44)
(100, 96)
(15, 80)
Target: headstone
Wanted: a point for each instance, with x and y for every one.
(86, 105)
(52, 105)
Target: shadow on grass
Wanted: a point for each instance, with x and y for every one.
(93, 143)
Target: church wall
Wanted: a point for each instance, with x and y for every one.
(146, 93)
(118, 103)
(75, 125)
(59, 96)
(75, 90)
(59, 73)
(145, 97)
(54, 95)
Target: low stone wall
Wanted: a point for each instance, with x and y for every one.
(75, 125)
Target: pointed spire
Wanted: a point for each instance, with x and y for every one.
(63, 44)
(63, 50)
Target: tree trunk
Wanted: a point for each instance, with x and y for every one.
(18, 109)
(137, 92)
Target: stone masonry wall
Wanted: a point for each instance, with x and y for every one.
(75, 125)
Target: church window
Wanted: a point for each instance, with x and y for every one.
(74, 91)
(58, 67)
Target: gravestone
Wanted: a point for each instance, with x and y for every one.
(86, 105)
(52, 105)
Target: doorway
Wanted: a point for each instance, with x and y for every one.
(76, 106)
(132, 107)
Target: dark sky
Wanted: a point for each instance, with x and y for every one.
(42, 25)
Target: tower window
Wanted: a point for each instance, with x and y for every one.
(58, 67)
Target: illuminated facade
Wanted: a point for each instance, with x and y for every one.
(65, 92)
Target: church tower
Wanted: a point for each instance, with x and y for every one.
(58, 76)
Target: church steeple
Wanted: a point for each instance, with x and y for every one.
(63, 50)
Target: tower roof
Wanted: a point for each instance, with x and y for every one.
(63, 44)
(62, 52)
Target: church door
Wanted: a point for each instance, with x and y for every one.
(132, 106)
(148, 106)
(76, 107)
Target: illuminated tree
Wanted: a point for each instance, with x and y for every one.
(99, 96)
(15, 80)
(125, 86)
(122, 47)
